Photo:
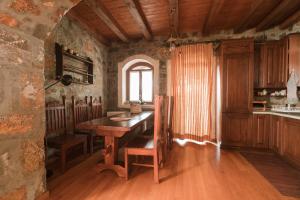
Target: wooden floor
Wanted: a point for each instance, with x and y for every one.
(282, 175)
(192, 172)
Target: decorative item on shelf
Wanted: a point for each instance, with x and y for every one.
(262, 105)
(262, 93)
(135, 108)
(280, 93)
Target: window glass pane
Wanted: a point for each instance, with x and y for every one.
(147, 86)
(134, 80)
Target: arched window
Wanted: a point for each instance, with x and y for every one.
(139, 83)
(138, 80)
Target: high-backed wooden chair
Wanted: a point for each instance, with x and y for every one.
(96, 108)
(142, 146)
(96, 141)
(81, 113)
(56, 135)
(170, 122)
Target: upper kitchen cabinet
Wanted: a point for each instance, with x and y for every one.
(237, 75)
(270, 65)
(293, 52)
(274, 60)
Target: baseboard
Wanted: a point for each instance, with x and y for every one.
(44, 196)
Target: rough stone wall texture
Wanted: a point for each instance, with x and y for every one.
(24, 24)
(22, 121)
(69, 34)
(118, 52)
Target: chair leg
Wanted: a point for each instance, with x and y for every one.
(126, 164)
(85, 147)
(63, 159)
(156, 166)
(91, 138)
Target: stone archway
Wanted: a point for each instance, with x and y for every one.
(24, 25)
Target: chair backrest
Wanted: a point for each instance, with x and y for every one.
(158, 118)
(165, 117)
(96, 107)
(171, 108)
(56, 119)
(80, 111)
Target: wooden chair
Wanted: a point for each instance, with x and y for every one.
(56, 121)
(96, 141)
(170, 123)
(96, 108)
(80, 111)
(148, 146)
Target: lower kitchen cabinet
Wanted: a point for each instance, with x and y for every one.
(275, 133)
(236, 129)
(261, 131)
(291, 140)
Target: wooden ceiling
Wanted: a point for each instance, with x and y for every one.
(113, 20)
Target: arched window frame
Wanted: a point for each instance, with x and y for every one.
(130, 69)
(122, 68)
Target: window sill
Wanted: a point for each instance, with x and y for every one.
(126, 105)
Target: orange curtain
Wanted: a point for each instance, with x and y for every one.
(193, 88)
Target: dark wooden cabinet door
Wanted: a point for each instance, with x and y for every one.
(275, 133)
(291, 140)
(294, 53)
(283, 70)
(269, 65)
(257, 65)
(261, 131)
(237, 77)
(236, 129)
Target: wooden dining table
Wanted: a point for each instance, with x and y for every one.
(112, 128)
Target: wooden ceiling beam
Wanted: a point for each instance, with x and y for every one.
(290, 20)
(106, 17)
(247, 19)
(92, 31)
(174, 17)
(216, 6)
(138, 16)
(277, 14)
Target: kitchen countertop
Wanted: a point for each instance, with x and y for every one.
(269, 112)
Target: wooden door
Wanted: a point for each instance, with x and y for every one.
(275, 133)
(291, 140)
(257, 65)
(261, 131)
(236, 129)
(237, 76)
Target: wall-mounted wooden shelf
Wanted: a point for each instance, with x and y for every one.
(84, 73)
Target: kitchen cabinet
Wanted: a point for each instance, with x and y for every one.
(236, 64)
(291, 140)
(236, 129)
(275, 133)
(271, 65)
(274, 60)
(261, 131)
(237, 76)
(292, 43)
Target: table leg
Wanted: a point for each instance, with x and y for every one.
(111, 157)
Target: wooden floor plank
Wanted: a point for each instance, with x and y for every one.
(192, 172)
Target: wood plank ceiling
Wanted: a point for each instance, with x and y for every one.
(124, 20)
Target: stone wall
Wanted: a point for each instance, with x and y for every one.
(69, 34)
(24, 24)
(22, 117)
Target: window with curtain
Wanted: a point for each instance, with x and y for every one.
(193, 88)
